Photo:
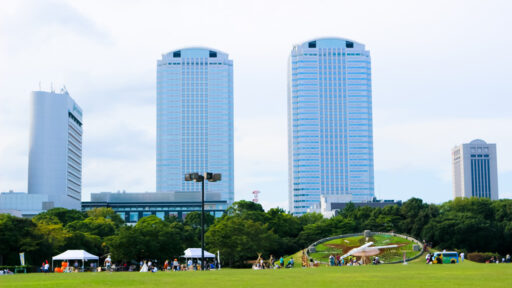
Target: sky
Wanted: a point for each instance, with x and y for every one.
(440, 71)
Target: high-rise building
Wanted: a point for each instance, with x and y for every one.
(475, 170)
(55, 152)
(195, 120)
(330, 140)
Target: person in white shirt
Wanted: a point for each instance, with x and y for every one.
(144, 267)
(462, 257)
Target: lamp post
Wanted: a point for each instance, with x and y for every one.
(196, 177)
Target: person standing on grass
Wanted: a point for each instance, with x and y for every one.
(281, 261)
(462, 257)
(144, 267)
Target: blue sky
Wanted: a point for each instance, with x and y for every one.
(441, 76)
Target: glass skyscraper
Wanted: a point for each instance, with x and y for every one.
(195, 120)
(330, 135)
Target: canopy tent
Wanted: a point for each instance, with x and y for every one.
(196, 253)
(75, 255)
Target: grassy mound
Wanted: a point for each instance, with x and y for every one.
(343, 245)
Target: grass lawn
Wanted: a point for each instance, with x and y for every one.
(415, 274)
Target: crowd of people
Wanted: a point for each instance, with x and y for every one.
(272, 263)
(6, 272)
(337, 260)
(175, 265)
(496, 260)
(195, 264)
(431, 258)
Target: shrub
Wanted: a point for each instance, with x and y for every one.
(481, 257)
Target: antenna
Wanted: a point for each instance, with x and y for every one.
(255, 193)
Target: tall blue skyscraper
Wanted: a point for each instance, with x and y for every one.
(195, 120)
(329, 124)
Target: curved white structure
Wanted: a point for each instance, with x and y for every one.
(55, 155)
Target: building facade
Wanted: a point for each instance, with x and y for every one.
(330, 138)
(22, 204)
(55, 149)
(133, 206)
(475, 170)
(195, 120)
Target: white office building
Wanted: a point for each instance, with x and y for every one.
(475, 172)
(55, 154)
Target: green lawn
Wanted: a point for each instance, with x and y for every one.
(413, 275)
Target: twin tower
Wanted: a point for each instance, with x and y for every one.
(330, 139)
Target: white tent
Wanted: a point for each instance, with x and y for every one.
(196, 253)
(75, 255)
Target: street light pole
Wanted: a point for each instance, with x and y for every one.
(202, 223)
(211, 177)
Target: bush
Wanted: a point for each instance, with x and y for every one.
(482, 257)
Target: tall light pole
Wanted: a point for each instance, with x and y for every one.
(196, 177)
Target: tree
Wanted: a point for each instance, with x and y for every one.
(327, 227)
(410, 211)
(64, 215)
(239, 240)
(52, 235)
(150, 238)
(287, 228)
(466, 231)
(282, 224)
(243, 206)
(193, 219)
(310, 218)
(17, 235)
(99, 226)
(86, 241)
(107, 213)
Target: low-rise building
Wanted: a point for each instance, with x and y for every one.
(133, 206)
(329, 206)
(22, 204)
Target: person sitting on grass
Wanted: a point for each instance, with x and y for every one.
(289, 264)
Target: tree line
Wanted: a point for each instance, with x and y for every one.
(245, 230)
